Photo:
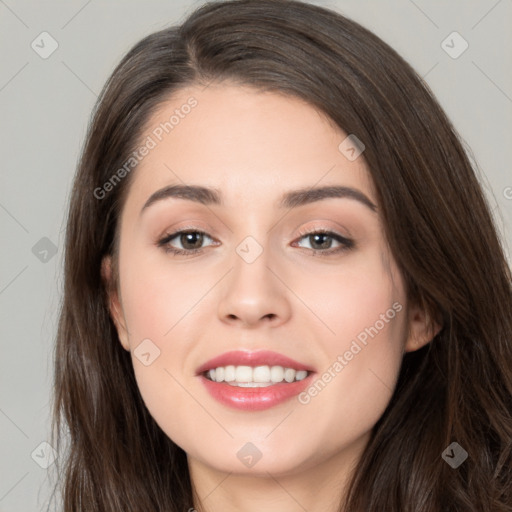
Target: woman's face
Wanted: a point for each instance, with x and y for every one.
(309, 329)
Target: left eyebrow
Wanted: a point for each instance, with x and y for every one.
(290, 199)
(303, 196)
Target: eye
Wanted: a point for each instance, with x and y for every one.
(321, 242)
(191, 241)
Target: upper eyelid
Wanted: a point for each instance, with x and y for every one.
(174, 234)
(166, 238)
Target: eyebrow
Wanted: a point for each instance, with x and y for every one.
(290, 199)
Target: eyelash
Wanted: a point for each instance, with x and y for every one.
(346, 243)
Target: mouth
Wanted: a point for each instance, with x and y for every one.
(254, 377)
(254, 380)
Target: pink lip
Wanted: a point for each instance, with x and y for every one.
(258, 358)
(253, 399)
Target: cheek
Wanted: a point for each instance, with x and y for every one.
(158, 294)
(356, 296)
(159, 304)
(363, 316)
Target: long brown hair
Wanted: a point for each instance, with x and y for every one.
(437, 223)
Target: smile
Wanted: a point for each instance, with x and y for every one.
(254, 381)
(259, 376)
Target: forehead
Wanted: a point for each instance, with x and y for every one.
(247, 143)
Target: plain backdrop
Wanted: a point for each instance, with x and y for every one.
(46, 100)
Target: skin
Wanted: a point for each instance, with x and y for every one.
(253, 147)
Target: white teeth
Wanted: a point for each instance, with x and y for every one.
(289, 375)
(250, 384)
(243, 374)
(276, 374)
(229, 374)
(259, 376)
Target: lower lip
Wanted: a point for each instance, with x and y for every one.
(254, 399)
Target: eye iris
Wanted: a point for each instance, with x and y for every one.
(194, 238)
(324, 245)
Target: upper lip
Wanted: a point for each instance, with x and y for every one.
(252, 358)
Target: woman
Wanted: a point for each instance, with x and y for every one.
(283, 286)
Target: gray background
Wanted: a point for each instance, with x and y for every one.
(45, 106)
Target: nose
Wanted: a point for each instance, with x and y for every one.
(255, 294)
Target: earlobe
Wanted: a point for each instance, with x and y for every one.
(422, 329)
(114, 305)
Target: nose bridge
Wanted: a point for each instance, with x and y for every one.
(252, 291)
(252, 278)
(252, 252)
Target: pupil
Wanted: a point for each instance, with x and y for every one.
(324, 245)
(189, 237)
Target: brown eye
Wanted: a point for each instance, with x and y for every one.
(191, 239)
(321, 242)
(191, 242)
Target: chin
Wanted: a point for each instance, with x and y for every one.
(248, 459)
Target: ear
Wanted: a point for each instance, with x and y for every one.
(422, 328)
(114, 304)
